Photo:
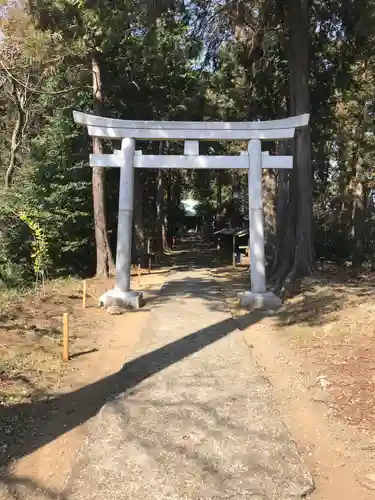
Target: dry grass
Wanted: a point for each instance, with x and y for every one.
(30, 340)
(31, 367)
(37, 389)
(329, 321)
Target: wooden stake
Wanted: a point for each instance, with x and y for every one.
(234, 252)
(84, 294)
(149, 254)
(65, 354)
(139, 276)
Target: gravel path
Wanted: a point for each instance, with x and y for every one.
(195, 419)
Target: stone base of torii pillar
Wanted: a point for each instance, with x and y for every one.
(254, 300)
(124, 300)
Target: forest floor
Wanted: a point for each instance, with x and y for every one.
(318, 352)
(32, 373)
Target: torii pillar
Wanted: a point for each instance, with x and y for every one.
(257, 297)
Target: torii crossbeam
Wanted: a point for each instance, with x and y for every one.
(127, 158)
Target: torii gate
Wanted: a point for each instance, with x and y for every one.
(127, 158)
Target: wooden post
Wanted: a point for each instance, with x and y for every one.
(149, 254)
(234, 251)
(65, 354)
(84, 294)
(139, 275)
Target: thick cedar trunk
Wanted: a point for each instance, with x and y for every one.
(295, 252)
(358, 197)
(140, 244)
(160, 230)
(170, 208)
(269, 203)
(358, 225)
(304, 259)
(104, 258)
(159, 212)
(174, 193)
(283, 259)
(219, 190)
(218, 198)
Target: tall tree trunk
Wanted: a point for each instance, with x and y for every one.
(159, 222)
(304, 259)
(140, 244)
(19, 100)
(104, 258)
(218, 198)
(283, 259)
(359, 192)
(296, 252)
(15, 143)
(174, 200)
(170, 208)
(176, 195)
(269, 199)
(358, 222)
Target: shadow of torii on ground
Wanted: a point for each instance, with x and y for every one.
(44, 421)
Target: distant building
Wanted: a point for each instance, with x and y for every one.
(191, 220)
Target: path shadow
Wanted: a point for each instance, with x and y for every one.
(204, 288)
(83, 353)
(318, 301)
(21, 487)
(26, 427)
(312, 302)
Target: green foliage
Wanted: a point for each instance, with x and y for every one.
(39, 247)
(160, 60)
(14, 258)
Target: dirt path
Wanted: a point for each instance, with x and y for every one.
(54, 428)
(179, 428)
(341, 457)
(329, 448)
(318, 354)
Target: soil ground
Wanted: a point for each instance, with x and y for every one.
(33, 375)
(318, 353)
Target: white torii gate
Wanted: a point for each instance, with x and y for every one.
(127, 158)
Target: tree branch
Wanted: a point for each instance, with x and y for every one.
(31, 89)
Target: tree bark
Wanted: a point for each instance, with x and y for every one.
(160, 235)
(359, 193)
(15, 143)
(174, 200)
(140, 244)
(269, 198)
(296, 248)
(358, 222)
(218, 198)
(104, 259)
(19, 100)
(176, 196)
(170, 208)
